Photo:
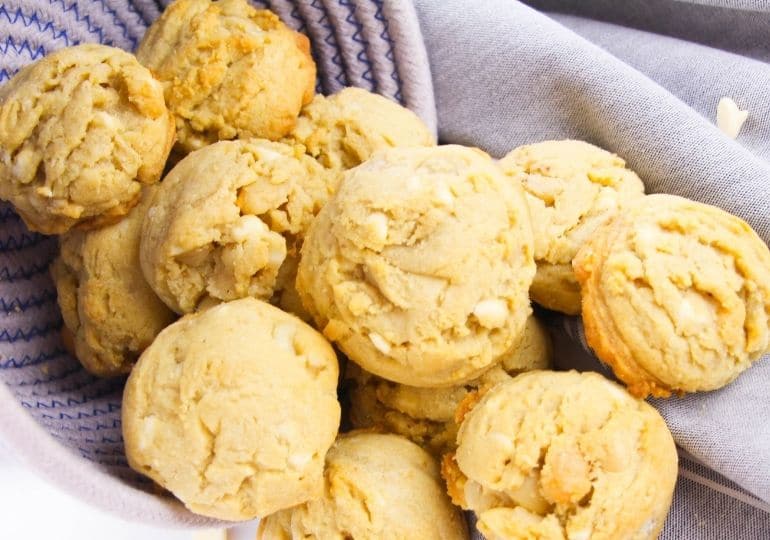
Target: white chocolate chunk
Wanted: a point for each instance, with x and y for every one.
(730, 118)
(147, 434)
(377, 223)
(44, 191)
(648, 527)
(269, 155)
(379, 342)
(315, 361)
(491, 313)
(23, 162)
(481, 498)
(248, 226)
(413, 183)
(444, 196)
(277, 250)
(102, 119)
(298, 461)
(584, 534)
(647, 236)
(283, 335)
(502, 441)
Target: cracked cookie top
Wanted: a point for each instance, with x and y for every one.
(427, 415)
(233, 409)
(676, 296)
(107, 305)
(572, 187)
(226, 218)
(419, 266)
(345, 129)
(563, 455)
(375, 486)
(229, 70)
(80, 132)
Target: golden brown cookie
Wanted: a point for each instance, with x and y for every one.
(107, 305)
(572, 187)
(376, 487)
(676, 296)
(419, 266)
(345, 129)
(427, 415)
(563, 455)
(233, 409)
(226, 218)
(80, 132)
(229, 70)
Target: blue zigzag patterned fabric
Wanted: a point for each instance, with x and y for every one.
(353, 46)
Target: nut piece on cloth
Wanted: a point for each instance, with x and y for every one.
(426, 416)
(345, 129)
(419, 266)
(226, 218)
(233, 409)
(676, 296)
(376, 486)
(563, 455)
(80, 131)
(229, 70)
(108, 308)
(730, 118)
(572, 187)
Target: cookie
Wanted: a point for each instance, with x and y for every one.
(563, 455)
(376, 486)
(419, 266)
(572, 187)
(226, 218)
(345, 129)
(427, 415)
(108, 308)
(233, 409)
(676, 296)
(286, 296)
(81, 131)
(228, 71)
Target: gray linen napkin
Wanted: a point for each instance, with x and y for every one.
(505, 74)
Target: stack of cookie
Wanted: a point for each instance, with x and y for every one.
(290, 224)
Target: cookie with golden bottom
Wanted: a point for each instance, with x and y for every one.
(229, 70)
(376, 486)
(345, 129)
(427, 415)
(81, 131)
(572, 187)
(107, 306)
(419, 266)
(226, 218)
(563, 455)
(233, 409)
(676, 296)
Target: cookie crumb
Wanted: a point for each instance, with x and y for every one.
(377, 224)
(730, 118)
(491, 313)
(379, 342)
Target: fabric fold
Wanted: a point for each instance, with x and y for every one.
(505, 75)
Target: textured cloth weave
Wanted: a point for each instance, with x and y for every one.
(643, 79)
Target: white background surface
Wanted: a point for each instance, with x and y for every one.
(31, 509)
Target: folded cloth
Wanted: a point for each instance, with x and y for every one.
(639, 77)
(642, 90)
